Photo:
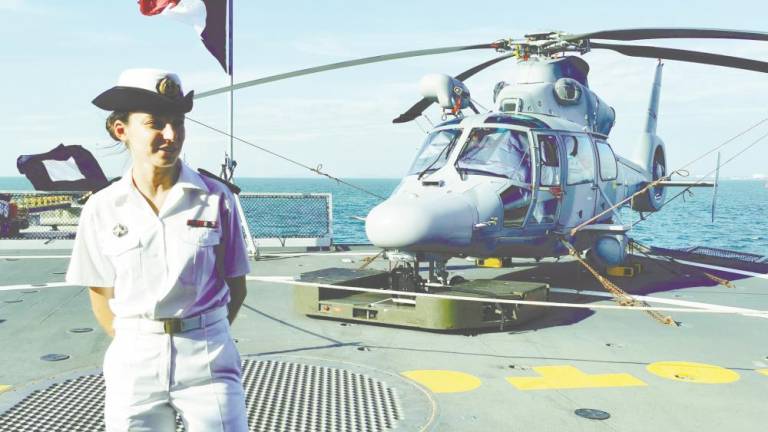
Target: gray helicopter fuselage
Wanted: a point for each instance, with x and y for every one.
(502, 185)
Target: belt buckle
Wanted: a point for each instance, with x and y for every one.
(172, 325)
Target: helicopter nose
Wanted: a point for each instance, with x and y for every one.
(411, 221)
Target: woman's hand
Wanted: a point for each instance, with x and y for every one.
(100, 305)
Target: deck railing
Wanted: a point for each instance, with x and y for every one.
(271, 219)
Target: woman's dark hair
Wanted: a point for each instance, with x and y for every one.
(115, 116)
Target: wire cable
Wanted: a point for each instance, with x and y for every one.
(739, 135)
(316, 170)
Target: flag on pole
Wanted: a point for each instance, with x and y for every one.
(65, 168)
(208, 17)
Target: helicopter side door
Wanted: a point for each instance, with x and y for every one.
(549, 190)
(608, 172)
(580, 190)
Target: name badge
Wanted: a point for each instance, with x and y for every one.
(198, 223)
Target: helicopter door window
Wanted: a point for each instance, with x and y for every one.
(516, 201)
(497, 152)
(545, 211)
(550, 160)
(581, 159)
(608, 168)
(435, 151)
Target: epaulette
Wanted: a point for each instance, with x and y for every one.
(83, 199)
(231, 186)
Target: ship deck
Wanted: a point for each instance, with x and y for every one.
(709, 373)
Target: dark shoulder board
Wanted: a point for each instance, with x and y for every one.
(232, 187)
(84, 198)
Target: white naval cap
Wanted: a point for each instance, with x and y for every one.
(146, 89)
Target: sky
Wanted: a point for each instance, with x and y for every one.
(57, 56)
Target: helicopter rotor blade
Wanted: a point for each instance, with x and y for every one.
(424, 103)
(685, 55)
(345, 64)
(668, 33)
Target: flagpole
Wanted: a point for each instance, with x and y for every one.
(232, 162)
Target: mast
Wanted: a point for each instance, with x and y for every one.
(230, 161)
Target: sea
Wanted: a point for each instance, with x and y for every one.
(741, 211)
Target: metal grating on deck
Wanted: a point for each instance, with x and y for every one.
(709, 252)
(280, 396)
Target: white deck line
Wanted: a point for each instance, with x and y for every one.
(712, 309)
(725, 269)
(342, 254)
(685, 303)
(300, 254)
(35, 286)
(33, 256)
(286, 254)
(691, 307)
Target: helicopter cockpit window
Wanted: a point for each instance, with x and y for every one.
(550, 161)
(498, 152)
(435, 151)
(581, 159)
(608, 168)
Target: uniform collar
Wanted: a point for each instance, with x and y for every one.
(188, 179)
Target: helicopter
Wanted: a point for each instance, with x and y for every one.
(537, 173)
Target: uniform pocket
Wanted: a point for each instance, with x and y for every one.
(223, 355)
(203, 237)
(116, 246)
(124, 253)
(117, 361)
(202, 263)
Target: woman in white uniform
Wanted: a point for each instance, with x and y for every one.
(163, 254)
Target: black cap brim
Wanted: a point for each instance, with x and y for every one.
(133, 99)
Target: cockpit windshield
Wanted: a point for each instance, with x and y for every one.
(499, 152)
(435, 151)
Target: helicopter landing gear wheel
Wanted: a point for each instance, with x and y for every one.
(405, 278)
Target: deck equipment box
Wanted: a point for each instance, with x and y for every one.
(416, 311)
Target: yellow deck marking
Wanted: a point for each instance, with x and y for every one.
(4, 388)
(693, 372)
(444, 381)
(568, 377)
(763, 371)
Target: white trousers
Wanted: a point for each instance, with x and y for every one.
(150, 377)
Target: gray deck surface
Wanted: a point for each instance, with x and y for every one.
(594, 342)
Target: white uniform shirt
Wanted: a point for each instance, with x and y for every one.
(164, 265)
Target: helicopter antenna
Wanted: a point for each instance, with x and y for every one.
(714, 190)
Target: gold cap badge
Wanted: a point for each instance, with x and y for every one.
(169, 88)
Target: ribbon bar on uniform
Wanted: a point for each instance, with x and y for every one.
(202, 223)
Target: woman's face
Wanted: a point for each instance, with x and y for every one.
(153, 139)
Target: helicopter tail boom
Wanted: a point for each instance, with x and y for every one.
(653, 105)
(650, 154)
